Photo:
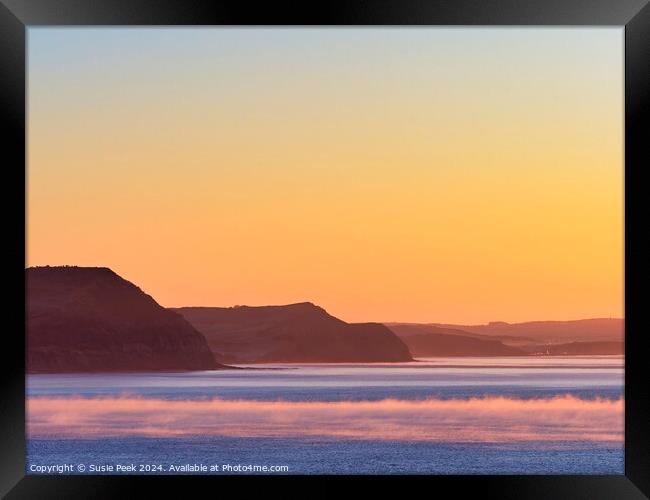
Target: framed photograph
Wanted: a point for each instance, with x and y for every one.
(367, 241)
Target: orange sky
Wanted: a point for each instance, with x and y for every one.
(487, 420)
(454, 175)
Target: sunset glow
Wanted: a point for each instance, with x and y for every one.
(452, 175)
(493, 419)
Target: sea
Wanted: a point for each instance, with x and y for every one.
(510, 415)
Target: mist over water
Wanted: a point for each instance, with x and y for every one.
(467, 415)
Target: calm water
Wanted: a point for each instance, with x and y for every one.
(560, 415)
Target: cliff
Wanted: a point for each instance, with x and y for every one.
(88, 319)
(296, 333)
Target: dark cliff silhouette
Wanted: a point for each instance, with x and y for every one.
(88, 319)
(296, 333)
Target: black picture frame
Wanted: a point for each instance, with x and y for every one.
(17, 15)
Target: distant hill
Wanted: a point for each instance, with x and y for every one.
(88, 319)
(430, 345)
(296, 333)
(431, 341)
(404, 330)
(598, 329)
(579, 348)
(504, 339)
